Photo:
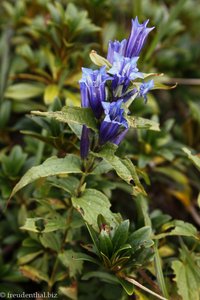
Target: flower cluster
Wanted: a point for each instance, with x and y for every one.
(105, 92)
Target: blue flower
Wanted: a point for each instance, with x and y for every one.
(114, 126)
(137, 38)
(124, 70)
(93, 91)
(118, 47)
(145, 87)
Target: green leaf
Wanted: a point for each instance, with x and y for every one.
(187, 275)
(105, 277)
(92, 203)
(51, 167)
(5, 110)
(76, 115)
(29, 257)
(67, 259)
(141, 238)
(43, 225)
(121, 234)
(194, 158)
(50, 93)
(105, 243)
(141, 123)
(178, 228)
(22, 91)
(68, 184)
(123, 167)
(127, 286)
(16, 158)
(162, 86)
(51, 240)
(85, 257)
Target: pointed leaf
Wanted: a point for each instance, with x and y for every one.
(120, 235)
(76, 115)
(141, 123)
(52, 166)
(194, 158)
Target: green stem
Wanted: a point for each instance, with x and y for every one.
(88, 166)
(159, 272)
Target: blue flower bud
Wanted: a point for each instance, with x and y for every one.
(118, 47)
(85, 142)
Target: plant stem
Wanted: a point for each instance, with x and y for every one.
(88, 166)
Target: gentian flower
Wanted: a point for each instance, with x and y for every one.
(145, 87)
(137, 38)
(118, 47)
(93, 91)
(124, 70)
(114, 126)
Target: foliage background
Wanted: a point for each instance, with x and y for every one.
(44, 44)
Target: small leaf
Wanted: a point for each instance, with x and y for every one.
(67, 259)
(162, 86)
(33, 273)
(70, 292)
(99, 60)
(50, 93)
(105, 277)
(22, 91)
(85, 257)
(178, 228)
(105, 243)
(48, 225)
(121, 234)
(194, 158)
(141, 238)
(127, 286)
(29, 257)
(141, 123)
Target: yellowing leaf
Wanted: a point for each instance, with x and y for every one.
(99, 60)
(50, 93)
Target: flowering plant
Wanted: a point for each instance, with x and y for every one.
(120, 250)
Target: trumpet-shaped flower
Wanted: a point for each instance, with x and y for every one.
(133, 46)
(124, 70)
(137, 38)
(114, 126)
(93, 91)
